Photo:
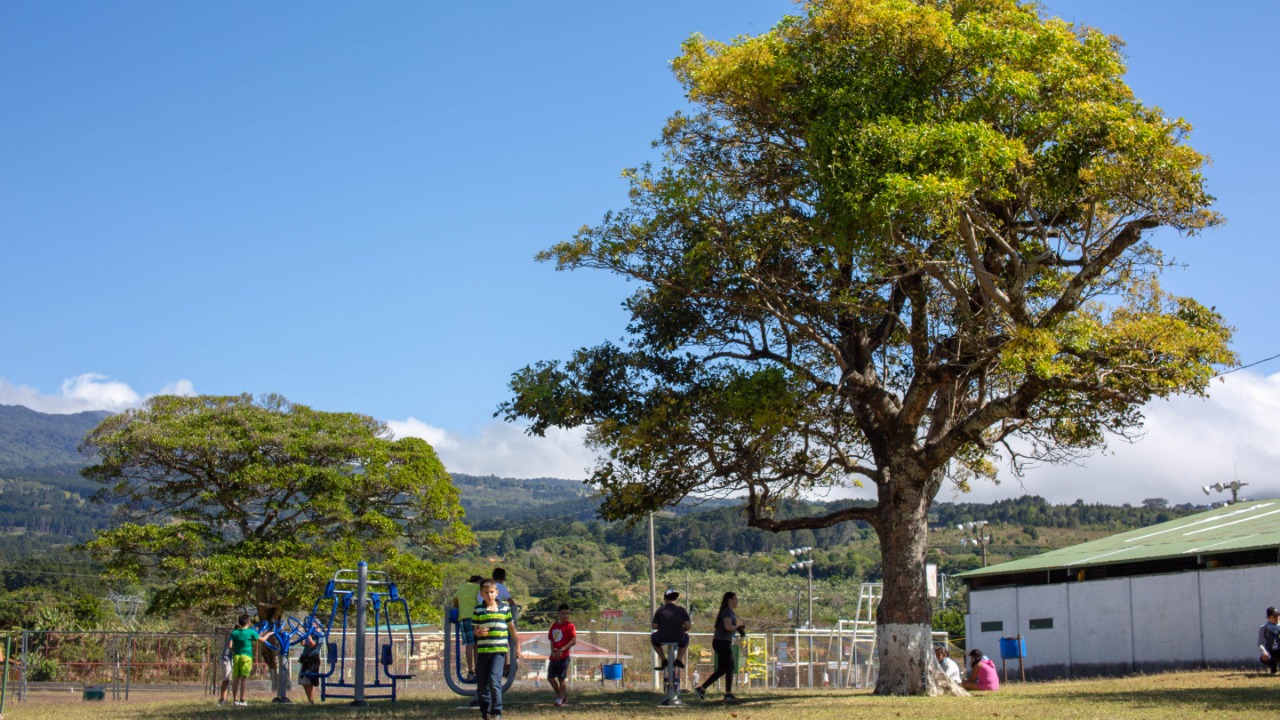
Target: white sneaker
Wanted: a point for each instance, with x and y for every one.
(559, 702)
(241, 703)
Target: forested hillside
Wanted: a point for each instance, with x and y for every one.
(35, 443)
(546, 532)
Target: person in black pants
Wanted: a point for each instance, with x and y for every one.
(1269, 640)
(722, 642)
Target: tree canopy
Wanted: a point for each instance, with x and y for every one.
(895, 242)
(231, 500)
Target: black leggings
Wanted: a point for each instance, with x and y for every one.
(724, 665)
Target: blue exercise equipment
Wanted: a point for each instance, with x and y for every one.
(453, 650)
(341, 598)
(281, 634)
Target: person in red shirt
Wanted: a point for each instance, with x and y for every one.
(563, 636)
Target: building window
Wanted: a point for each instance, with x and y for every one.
(993, 626)
(1041, 623)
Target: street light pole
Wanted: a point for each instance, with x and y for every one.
(810, 564)
(799, 564)
(977, 530)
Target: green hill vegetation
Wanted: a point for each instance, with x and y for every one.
(547, 534)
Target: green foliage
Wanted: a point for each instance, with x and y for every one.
(42, 669)
(890, 238)
(229, 501)
(950, 621)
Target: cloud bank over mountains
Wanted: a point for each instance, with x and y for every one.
(82, 393)
(1189, 442)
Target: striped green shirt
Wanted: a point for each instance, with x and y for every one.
(496, 622)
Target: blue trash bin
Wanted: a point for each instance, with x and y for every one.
(1013, 648)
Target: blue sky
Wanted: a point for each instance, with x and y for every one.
(340, 202)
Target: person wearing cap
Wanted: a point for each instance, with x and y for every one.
(948, 665)
(982, 673)
(1269, 640)
(670, 624)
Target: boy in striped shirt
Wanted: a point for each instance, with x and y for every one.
(496, 635)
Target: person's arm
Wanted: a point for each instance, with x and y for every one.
(1262, 639)
(573, 640)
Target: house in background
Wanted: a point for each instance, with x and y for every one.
(585, 658)
(1182, 594)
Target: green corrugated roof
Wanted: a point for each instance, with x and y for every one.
(1242, 526)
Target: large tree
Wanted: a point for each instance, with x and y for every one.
(894, 242)
(227, 501)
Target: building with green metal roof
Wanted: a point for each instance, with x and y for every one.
(1190, 592)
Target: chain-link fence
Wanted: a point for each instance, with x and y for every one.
(119, 663)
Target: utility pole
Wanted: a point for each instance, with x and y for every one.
(653, 599)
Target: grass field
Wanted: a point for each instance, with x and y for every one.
(1173, 696)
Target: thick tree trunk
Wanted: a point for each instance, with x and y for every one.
(904, 622)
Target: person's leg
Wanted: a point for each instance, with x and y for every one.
(226, 685)
(496, 671)
(469, 645)
(483, 679)
(722, 667)
(733, 669)
(657, 648)
(681, 650)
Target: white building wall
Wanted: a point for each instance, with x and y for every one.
(1000, 605)
(1232, 601)
(1046, 605)
(1100, 626)
(1122, 625)
(1166, 620)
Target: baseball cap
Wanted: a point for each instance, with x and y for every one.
(671, 592)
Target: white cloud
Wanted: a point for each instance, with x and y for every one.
(90, 391)
(504, 450)
(413, 427)
(1189, 442)
(182, 387)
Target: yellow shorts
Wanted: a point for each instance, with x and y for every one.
(242, 665)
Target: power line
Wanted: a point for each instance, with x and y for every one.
(1242, 367)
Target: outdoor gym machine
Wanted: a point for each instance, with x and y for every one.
(350, 587)
(454, 649)
(671, 677)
